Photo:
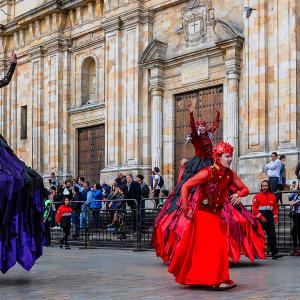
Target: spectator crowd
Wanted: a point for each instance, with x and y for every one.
(76, 202)
(79, 203)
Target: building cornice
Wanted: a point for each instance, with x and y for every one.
(86, 108)
(32, 15)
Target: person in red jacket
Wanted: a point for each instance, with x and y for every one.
(63, 218)
(265, 209)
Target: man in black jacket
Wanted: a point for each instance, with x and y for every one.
(76, 206)
(297, 170)
(145, 190)
(133, 192)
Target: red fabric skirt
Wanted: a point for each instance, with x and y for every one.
(201, 257)
(244, 233)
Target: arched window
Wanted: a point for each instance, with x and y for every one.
(88, 81)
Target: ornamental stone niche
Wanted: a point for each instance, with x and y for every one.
(153, 59)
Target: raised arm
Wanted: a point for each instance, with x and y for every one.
(7, 78)
(191, 109)
(214, 126)
(193, 124)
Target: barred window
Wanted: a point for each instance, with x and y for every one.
(24, 122)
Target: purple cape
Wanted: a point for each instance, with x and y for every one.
(21, 212)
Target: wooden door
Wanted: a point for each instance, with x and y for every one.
(207, 102)
(91, 146)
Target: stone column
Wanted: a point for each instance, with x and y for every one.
(56, 151)
(156, 86)
(231, 101)
(36, 55)
(153, 59)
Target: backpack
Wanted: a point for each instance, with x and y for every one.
(161, 182)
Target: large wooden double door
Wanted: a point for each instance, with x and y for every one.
(91, 152)
(207, 102)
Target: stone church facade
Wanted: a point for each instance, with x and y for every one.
(101, 87)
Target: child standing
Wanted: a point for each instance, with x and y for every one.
(63, 218)
(47, 220)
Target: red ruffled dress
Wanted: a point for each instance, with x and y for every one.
(170, 223)
(243, 231)
(201, 257)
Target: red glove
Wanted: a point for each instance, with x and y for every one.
(275, 219)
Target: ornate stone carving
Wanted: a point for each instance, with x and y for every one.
(198, 21)
(201, 28)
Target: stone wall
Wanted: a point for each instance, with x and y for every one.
(146, 52)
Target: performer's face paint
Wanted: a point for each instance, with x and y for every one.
(226, 160)
(201, 129)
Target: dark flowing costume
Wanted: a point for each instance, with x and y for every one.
(21, 207)
(243, 231)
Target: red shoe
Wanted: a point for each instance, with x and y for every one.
(297, 253)
(224, 286)
(221, 287)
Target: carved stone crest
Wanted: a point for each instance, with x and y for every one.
(197, 20)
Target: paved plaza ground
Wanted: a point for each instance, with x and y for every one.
(123, 274)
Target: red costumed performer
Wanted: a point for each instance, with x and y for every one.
(170, 224)
(201, 257)
(243, 231)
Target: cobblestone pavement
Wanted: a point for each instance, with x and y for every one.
(123, 274)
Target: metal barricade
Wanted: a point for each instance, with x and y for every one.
(95, 229)
(139, 219)
(283, 228)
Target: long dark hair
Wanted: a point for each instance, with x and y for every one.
(64, 199)
(267, 183)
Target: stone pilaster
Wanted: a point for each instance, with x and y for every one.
(113, 89)
(153, 58)
(156, 87)
(36, 55)
(56, 78)
(231, 97)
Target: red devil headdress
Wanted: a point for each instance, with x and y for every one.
(220, 148)
(201, 123)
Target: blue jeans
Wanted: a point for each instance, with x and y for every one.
(76, 221)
